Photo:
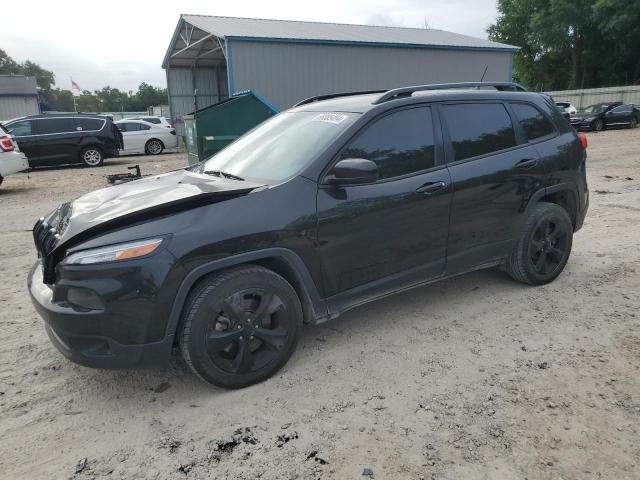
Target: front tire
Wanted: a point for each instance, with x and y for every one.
(91, 157)
(154, 147)
(240, 326)
(598, 125)
(544, 245)
(633, 123)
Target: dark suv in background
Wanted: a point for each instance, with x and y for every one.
(58, 139)
(339, 201)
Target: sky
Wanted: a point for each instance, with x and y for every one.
(122, 43)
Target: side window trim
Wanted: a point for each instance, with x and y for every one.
(448, 145)
(519, 128)
(440, 162)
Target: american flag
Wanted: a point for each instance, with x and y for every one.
(75, 88)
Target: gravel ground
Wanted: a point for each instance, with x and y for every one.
(477, 377)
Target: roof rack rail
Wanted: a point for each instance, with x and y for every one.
(335, 95)
(407, 91)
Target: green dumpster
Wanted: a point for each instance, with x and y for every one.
(210, 129)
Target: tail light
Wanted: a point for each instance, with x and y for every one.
(168, 126)
(6, 144)
(173, 131)
(583, 140)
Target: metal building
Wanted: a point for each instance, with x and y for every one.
(283, 62)
(18, 96)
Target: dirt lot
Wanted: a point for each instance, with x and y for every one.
(473, 378)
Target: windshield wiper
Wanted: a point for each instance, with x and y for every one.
(220, 173)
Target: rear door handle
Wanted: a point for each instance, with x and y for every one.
(527, 163)
(431, 188)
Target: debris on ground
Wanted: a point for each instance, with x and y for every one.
(118, 178)
(286, 438)
(81, 465)
(367, 472)
(162, 387)
(313, 455)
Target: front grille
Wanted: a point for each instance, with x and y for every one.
(45, 238)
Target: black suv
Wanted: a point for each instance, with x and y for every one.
(58, 139)
(341, 200)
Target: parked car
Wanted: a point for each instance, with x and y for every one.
(162, 121)
(12, 160)
(59, 139)
(604, 115)
(339, 201)
(143, 137)
(567, 107)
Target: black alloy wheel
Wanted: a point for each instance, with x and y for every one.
(240, 326)
(544, 246)
(548, 245)
(247, 332)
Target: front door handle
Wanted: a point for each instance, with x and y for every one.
(527, 163)
(431, 188)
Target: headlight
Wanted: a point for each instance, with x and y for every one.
(114, 253)
(589, 119)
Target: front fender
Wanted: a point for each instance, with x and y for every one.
(318, 308)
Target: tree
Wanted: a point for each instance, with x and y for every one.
(7, 64)
(57, 100)
(106, 99)
(147, 96)
(564, 43)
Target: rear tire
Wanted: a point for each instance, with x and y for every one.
(91, 157)
(154, 147)
(633, 123)
(240, 326)
(544, 245)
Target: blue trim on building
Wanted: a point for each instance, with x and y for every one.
(18, 94)
(227, 54)
(368, 44)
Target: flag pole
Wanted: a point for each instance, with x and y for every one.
(73, 95)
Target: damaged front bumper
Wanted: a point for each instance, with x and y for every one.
(108, 322)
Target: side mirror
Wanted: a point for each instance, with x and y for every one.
(352, 171)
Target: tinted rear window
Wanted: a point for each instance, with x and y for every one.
(151, 120)
(478, 129)
(44, 126)
(90, 123)
(399, 143)
(533, 122)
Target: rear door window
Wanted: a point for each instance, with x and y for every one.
(142, 126)
(532, 121)
(129, 127)
(90, 124)
(47, 126)
(21, 128)
(400, 143)
(478, 129)
(622, 109)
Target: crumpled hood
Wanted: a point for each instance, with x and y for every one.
(130, 202)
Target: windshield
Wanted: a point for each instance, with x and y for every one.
(594, 108)
(280, 147)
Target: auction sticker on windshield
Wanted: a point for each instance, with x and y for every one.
(335, 118)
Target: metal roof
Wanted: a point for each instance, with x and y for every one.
(18, 85)
(258, 28)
